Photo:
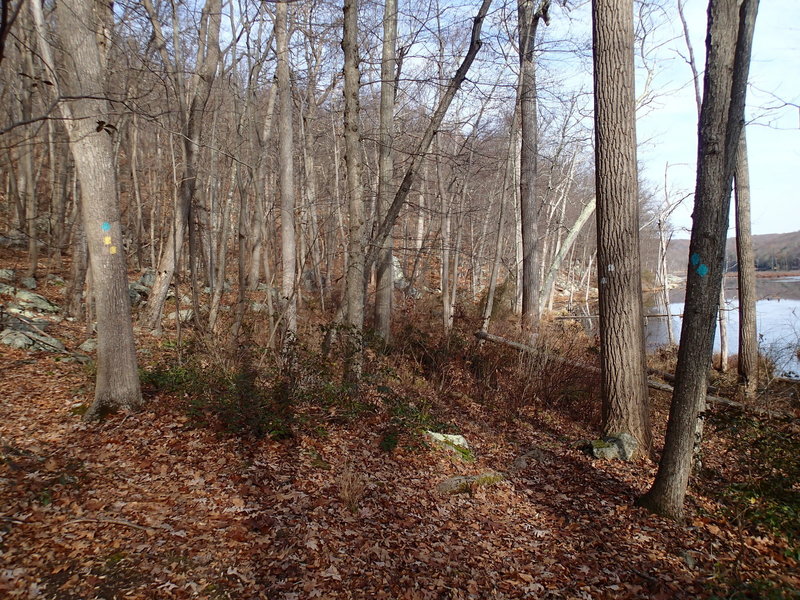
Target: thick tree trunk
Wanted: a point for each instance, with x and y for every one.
(748, 335)
(117, 384)
(727, 65)
(622, 351)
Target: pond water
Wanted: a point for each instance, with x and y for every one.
(777, 315)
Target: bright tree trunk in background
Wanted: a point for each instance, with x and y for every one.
(528, 21)
(622, 351)
(90, 133)
(748, 334)
(728, 47)
(286, 170)
(385, 276)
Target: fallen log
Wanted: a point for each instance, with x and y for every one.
(656, 385)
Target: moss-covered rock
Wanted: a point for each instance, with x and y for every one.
(465, 484)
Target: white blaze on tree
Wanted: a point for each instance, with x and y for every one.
(622, 349)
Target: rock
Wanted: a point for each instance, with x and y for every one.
(185, 314)
(621, 446)
(15, 339)
(28, 282)
(258, 307)
(186, 299)
(148, 278)
(89, 345)
(463, 484)
(30, 300)
(7, 274)
(56, 280)
(457, 444)
(31, 340)
(7, 289)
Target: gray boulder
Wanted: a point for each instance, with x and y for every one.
(621, 446)
(35, 301)
(148, 278)
(31, 340)
(28, 282)
(89, 345)
(15, 339)
(457, 444)
(7, 274)
(185, 315)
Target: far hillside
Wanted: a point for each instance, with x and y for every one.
(774, 252)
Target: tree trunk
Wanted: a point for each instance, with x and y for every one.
(117, 384)
(528, 21)
(384, 286)
(356, 270)
(207, 59)
(728, 46)
(622, 352)
(286, 171)
(748, 335)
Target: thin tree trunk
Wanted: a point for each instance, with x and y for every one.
(384, 285)
(356, 268)
(728, 49)
(748, 335)
(286, 173)
(528, 22)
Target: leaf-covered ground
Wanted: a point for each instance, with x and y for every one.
(149, 505)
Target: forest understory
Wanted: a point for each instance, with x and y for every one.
(242, 478)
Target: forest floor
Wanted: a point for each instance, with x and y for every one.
(337, 497)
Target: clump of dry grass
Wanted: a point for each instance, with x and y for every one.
(352, 486)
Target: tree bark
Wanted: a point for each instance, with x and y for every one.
(356, 269)
(384, 285)
(728, 47)
(528, 22)
(622, 350)
(748, 334)
(90, 135)
(286, 171)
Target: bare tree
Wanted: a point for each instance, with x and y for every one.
(728, 46)
(90, 126)
(286, 170)
(197, 92)
(355, 261)
(384, 286)
(746, 272)
(528, 22)
(622, 352)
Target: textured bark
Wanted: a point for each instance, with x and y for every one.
(622, 350)
(728, 47)
(286, 170)
(117, 384)
(355, 193)
(748, 334)
(528, 22)
(384, 286)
